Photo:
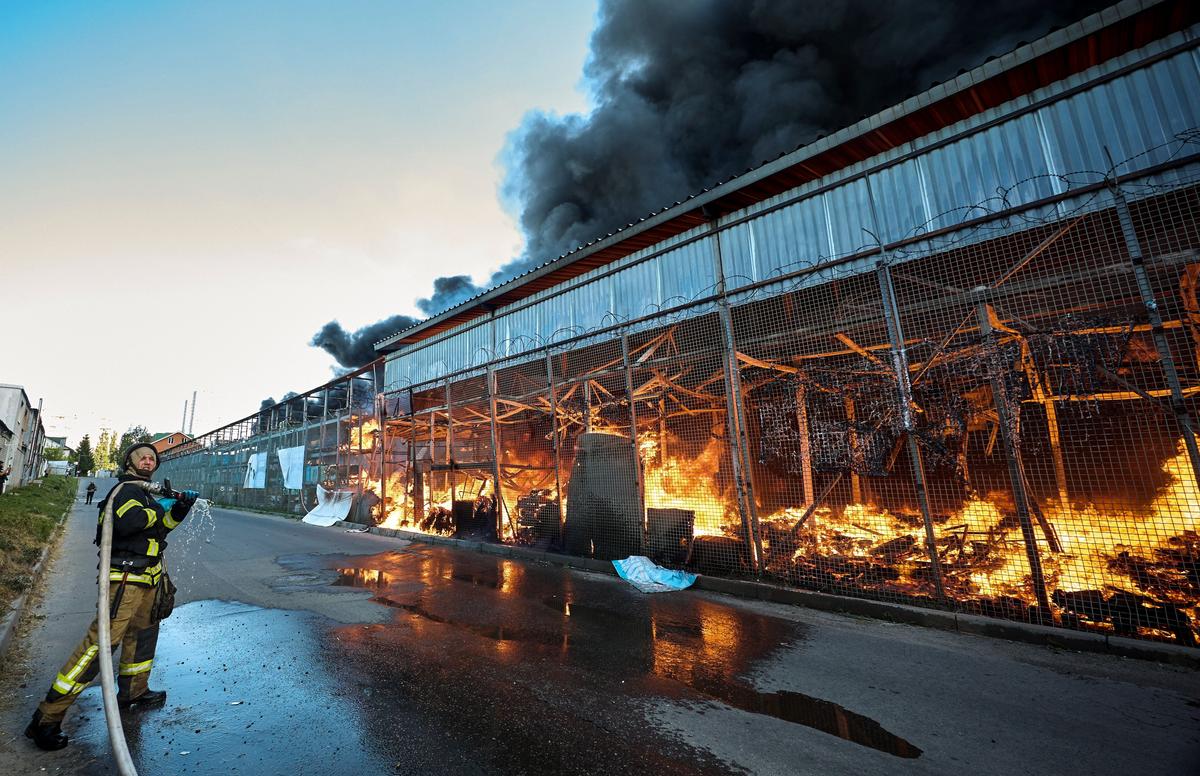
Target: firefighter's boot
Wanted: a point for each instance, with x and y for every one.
(46, 735)
(147, 700)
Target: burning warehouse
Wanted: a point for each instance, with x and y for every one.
(948, 356)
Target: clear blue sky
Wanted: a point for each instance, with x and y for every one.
(216, 180)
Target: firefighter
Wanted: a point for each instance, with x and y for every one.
(140, 595)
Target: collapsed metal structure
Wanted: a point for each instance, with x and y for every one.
(948, 357)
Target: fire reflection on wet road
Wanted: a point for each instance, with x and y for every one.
(477, 664)
(683, 647)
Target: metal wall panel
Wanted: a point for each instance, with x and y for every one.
(848, 217)
(1132, 117)
(687, 273)
(901, 199)
(790, 239)
(460, 351)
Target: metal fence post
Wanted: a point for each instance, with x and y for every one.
(416, 499)
(587, 405)
(1000, 401)
(381, 419)
(555, 442)
(497, 493)
(738, 438)
(891, 313)
(450, 474)
(633, 434)
(740, 442)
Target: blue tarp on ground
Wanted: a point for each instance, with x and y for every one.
(645, 575)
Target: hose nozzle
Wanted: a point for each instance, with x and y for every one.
(163, 488)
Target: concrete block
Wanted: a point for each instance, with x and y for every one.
(1030, 633)
(603, 566)
(1189, 657)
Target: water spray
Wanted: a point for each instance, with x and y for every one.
(112, 714)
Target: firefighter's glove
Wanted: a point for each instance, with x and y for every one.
(166, 504)
(188, 497)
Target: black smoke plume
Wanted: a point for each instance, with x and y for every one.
(447, 292)
(357, 349)
(687, 94)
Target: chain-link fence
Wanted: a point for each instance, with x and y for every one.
(278, 458)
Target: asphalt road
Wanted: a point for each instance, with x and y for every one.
(303, 650)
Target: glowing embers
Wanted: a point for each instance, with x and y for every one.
(857, 547)
(1117, 570)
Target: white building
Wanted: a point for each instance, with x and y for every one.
(22, 436)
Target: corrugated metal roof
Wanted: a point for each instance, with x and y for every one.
(1090, 42)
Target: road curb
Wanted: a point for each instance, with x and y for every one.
(967, 624)
(8, 626)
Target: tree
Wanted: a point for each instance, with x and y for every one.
(86, 462)
(106, 450)
(54, 454)
(132, 436)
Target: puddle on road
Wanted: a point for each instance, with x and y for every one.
(801, 709)
(683, 639)
(821, 715)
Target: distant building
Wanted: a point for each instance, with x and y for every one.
(22, 436)
(6, 437)
(58, 467)
(168, 440)
(59, 443)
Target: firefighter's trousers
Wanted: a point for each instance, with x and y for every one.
(133, 628)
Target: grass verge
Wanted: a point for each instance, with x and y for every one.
(27, 519)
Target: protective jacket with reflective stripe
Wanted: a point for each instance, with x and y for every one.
(140, 528)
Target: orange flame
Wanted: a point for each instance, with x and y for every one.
(673, 482)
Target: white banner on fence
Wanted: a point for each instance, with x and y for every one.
(332, 506)
(291, 460)
(256, 471)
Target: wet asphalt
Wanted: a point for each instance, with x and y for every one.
(303, 650)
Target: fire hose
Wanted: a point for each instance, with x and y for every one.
(112, 714)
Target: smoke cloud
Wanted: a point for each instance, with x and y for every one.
(687, 94)
(448, 292)
(358, 348)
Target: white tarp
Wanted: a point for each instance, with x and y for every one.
(256, 471)
(332, 506)
(291, 460)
